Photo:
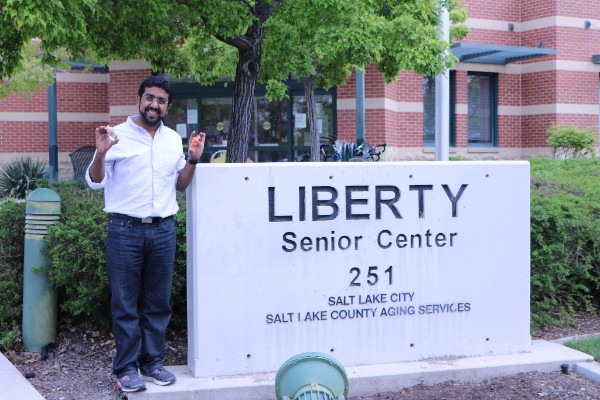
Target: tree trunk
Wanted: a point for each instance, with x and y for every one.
(315, 135)
(249, 48)
(246, 76)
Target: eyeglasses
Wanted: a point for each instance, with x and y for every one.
(150, 99)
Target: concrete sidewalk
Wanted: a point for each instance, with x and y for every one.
(363, 380)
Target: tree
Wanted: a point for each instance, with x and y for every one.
(319, 41)
(32, 76)
(323, 41)
(208, 39)
(24, 58)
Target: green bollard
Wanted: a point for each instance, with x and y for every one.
(39, 298)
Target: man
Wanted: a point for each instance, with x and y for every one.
(140, 164)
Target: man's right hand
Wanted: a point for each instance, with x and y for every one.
(103, 139)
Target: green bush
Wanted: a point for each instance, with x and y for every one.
(565, 237)
(570, 141)
(12, 239)
(76, 247)
(21, 176)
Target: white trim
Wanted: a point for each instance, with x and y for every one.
(124, 110)
(542, 66)
(61, 117)
(381, 103)
(560, 109)
(510, 110)
(491, 24)
(539, 109)
(478, 67)
(83, 117)
(24, 116)
(346, 104)
(539, 23)
(461, 109)
(82, 77)
(117, 65)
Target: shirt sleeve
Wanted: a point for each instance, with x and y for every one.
(181, 163)
(107, 172)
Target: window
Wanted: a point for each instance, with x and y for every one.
(429, 110)
(183, 117)
(278, 131)
(482, 109)
(300, 129)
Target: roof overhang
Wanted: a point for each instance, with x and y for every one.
(496, 54)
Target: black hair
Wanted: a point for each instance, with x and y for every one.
(156, 81)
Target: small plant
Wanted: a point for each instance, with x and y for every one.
(570, 141)
(21, 176)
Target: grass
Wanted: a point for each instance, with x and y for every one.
(588, 346)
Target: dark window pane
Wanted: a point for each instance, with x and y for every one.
(183, 117)
(216, 120)
(480, 109)
(428, 110)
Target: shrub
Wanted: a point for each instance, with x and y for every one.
(21, 176)
(565, 237)
(76, 247)
(12, 237)
(570, 141)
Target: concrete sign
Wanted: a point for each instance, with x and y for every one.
(370, 262)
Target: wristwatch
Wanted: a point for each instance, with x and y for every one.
(193, 162)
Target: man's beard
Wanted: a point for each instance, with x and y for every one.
(150, 122)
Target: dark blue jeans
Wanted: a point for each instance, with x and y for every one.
(139, 263)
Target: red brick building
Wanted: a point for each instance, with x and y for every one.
(524, 66)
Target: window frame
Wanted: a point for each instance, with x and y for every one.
(452, 113)
(493, 101)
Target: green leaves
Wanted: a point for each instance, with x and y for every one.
(565, 237)
(570, 141)
(21, 176)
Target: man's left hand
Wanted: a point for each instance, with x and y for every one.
(196, 147)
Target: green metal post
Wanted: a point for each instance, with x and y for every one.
(360, 107)
(52, 133)
(39, 298)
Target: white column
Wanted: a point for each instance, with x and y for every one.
(442, 99)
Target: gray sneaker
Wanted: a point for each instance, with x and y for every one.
(131, 383)
(160, 376)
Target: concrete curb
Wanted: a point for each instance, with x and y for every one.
(372, 379)
(589, 370)
(16, 386)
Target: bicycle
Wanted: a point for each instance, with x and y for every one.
(337, 150)
(366, 152)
